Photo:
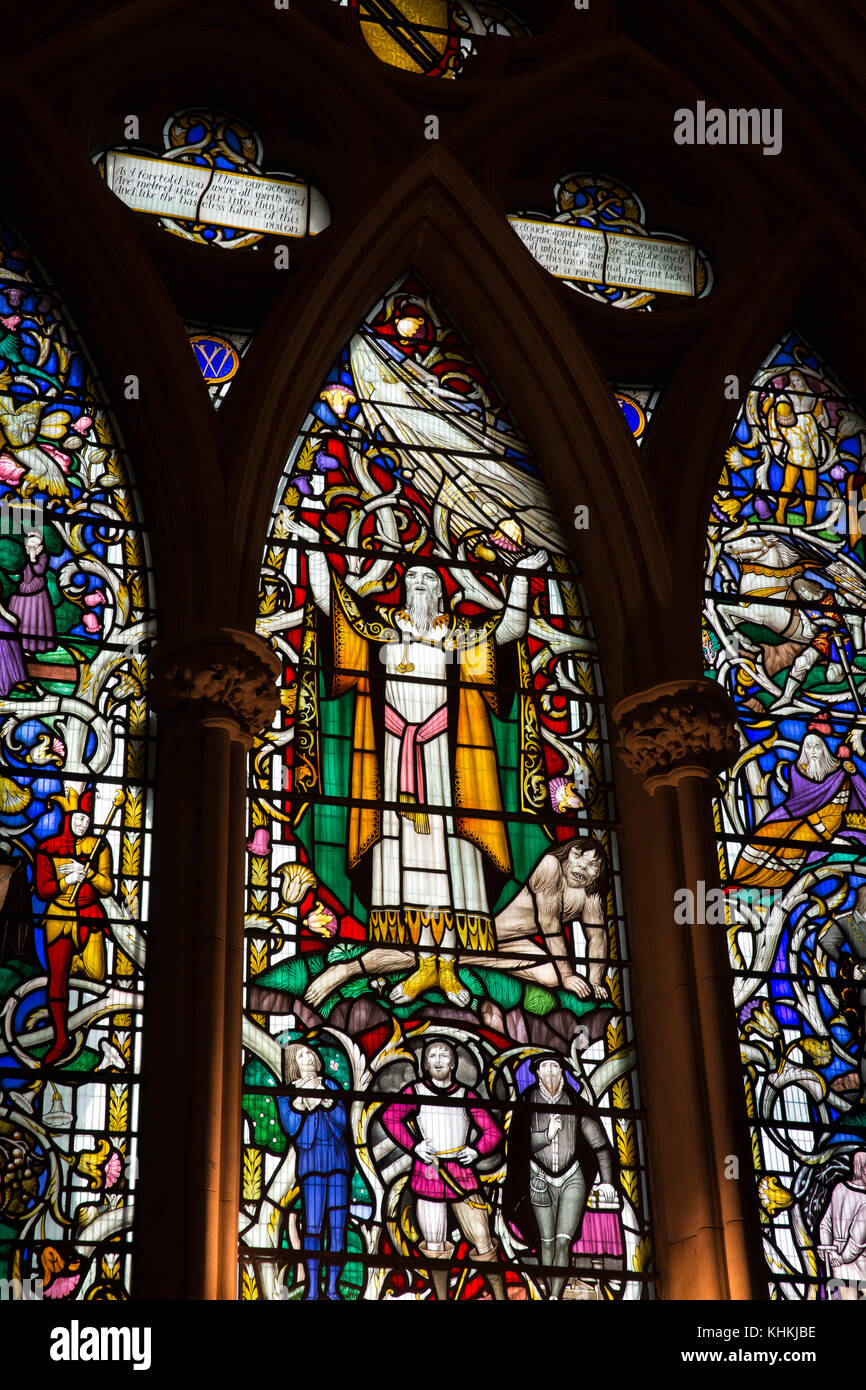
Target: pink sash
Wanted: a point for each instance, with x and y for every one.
(412, 737)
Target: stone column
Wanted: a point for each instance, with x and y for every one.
(212, 692)
(673, 741)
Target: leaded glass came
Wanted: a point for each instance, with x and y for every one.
(218, 354)
(208, 185)
(76, 618)
(638, 404)
(597, 242)
(440, 1089)
(783, 632)
(431, 37)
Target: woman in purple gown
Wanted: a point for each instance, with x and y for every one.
(12, 671)
(30, 602)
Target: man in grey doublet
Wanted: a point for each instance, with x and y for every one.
(567, 1148)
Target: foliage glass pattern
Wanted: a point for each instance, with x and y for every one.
(76, 618)
(783, 632)
(440, 1089)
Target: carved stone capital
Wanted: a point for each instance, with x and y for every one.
(217, 675)
(676, 730)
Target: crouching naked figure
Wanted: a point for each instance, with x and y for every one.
(569, 884)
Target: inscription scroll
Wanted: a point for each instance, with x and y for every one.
(195, 193)
(609, 258)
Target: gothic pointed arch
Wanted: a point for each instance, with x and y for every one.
(120, 302)
(431, 815)
(471, 257)
(596, 89)
(76, 768)
(799, 279)
(785, 594)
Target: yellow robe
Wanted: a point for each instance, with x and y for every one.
(475, 773)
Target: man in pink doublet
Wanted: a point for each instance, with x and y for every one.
(443, 1180)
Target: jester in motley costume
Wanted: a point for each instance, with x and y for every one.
(73, 871)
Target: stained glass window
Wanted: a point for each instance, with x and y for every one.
(598, 243)
(637, 404)
(218, 354)
(440, 1089)
(76, 617)
(783, 632)
(431, 37)
(208, 185)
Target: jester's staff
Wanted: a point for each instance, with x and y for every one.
(115, 806)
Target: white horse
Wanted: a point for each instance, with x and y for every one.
(770, 571)
(775, 593)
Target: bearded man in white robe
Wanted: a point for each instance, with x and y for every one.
(428, 818)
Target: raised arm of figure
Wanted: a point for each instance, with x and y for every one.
(512, 624)
(319, 577)
(596, 943)
(546, 887)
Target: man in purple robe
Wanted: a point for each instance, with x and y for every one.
(826, 803)
(12, 673)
